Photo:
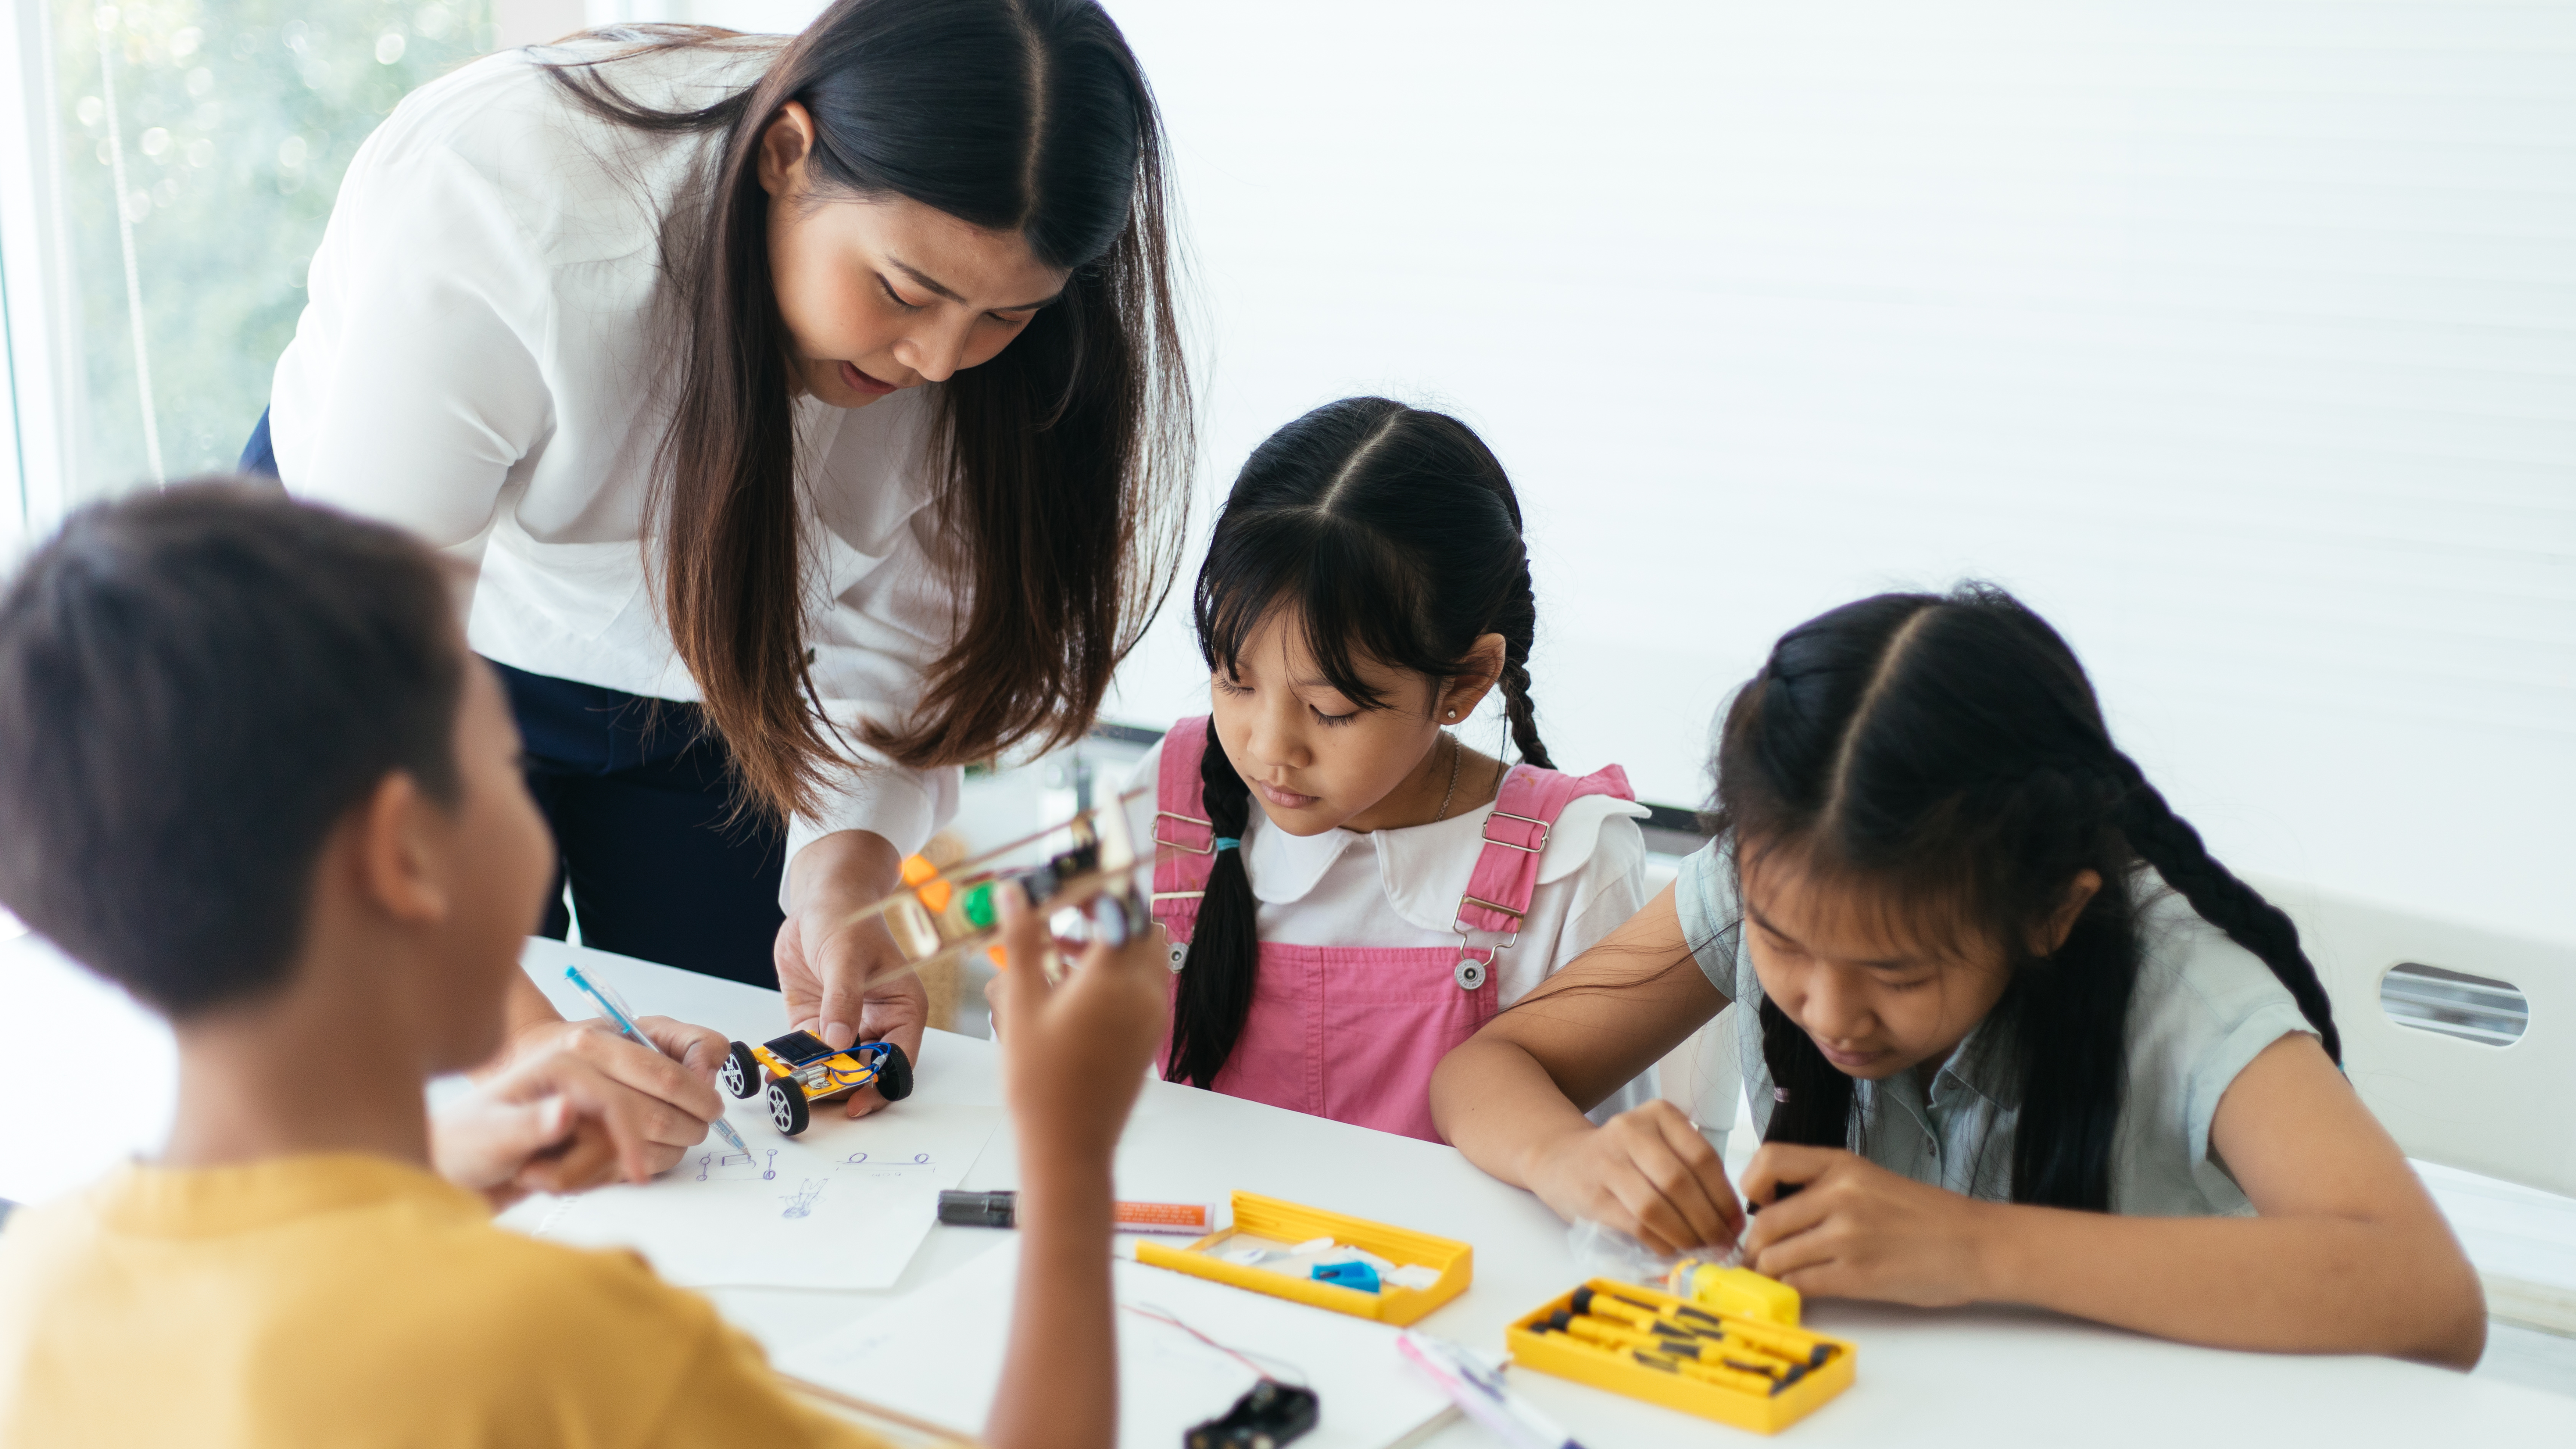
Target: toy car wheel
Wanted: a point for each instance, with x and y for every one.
(787, 1111)
(740, 1073)
(894, 1073)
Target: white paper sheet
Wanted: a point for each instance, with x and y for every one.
(846, 1205)
(936, 1354)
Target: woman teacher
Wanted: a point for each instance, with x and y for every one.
(817, 408)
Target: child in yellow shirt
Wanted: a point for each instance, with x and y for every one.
(253, 775)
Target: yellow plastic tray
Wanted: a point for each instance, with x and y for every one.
(1288, 1222)
(1554, 1353)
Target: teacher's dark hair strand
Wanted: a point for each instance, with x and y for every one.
(1061, 463)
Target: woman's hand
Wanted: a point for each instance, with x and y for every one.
(1853, 1229)
(550, 1122)
(654, 1106)
(829, 966)
(1647, 1173)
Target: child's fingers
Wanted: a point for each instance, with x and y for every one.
(1683, 1210)
(1787, 1218)
(586, 1160)
(1810, 1255)
(1657, 1224)
(1707, 1171)
(1121, 990)
(1140, 959)
(1022, 931)
(596, 1073)
(485, 1139)
(1674, 1170)
(531, 1128)
(1024, 945)
(1144, 960)
(997, 996)
(1674, 1209)
(1783, 1164)
(638, 1158)
(649, 1075)
(1666, 1198)
(695, 1048)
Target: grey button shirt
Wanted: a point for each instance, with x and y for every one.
(2204, 1007)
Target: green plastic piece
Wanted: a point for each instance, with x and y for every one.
(979, 905)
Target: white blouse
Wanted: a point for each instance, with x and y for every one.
(486, 357)
(1400, 888)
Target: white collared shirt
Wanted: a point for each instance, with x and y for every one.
(484, 357)
(1401, 888)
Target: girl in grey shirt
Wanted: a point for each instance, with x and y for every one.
(2010, 1033)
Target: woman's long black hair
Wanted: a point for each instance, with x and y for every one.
(1061, 460)
(1389, 534)
(1947, 756)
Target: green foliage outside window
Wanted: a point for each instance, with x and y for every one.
(236, 118)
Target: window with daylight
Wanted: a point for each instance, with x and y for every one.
(199, 144)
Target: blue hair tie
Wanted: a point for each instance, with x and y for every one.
(1228, 842)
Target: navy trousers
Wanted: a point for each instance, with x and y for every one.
(636, 792)
(259, 456)
(638, 795)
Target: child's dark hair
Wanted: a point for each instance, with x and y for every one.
(1949, 752)
(1388, 533)
(195, 687)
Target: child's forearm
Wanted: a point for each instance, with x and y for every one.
(525, 1006)
(1499, 1107)
(1060, 1377)
(2296, 1284)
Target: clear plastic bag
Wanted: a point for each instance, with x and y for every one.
(1608, 1253)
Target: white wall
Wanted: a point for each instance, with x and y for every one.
(2239, 339)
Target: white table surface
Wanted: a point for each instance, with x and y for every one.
(1978, 1377)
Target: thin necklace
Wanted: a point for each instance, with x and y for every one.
(1457, 752)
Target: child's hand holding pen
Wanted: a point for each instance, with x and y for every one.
(658, 1100)
(541, 1125)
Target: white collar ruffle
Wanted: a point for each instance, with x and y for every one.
(1422, 868)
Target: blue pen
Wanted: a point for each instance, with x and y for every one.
(618, 1012)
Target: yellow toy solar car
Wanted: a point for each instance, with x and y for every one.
(798, 1069)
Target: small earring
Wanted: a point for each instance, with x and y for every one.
(1453, 714)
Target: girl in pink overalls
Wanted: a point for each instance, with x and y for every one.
(1366, 587)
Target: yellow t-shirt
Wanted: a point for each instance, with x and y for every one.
(354, 1301)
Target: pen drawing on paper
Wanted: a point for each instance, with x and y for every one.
(717, 1164)
(800, 1203)
(842, 1206)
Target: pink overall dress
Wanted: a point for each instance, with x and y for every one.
(1352, 1033)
